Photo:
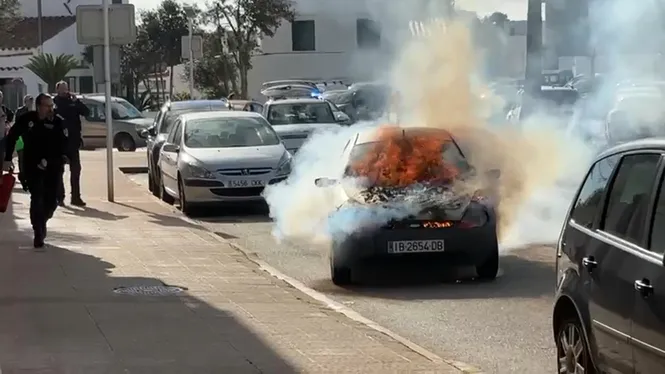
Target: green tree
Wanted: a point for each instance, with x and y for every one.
(10, 14)
(165, 28)
(247, 21)
(214, 73)
(51, 69)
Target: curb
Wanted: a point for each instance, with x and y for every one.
(325, 300)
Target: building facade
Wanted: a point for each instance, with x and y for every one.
(18, 45)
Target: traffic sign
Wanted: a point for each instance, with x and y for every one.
(90, 24)
(197, 46)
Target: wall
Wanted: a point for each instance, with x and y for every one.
(55, 7)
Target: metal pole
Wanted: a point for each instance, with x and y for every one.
(534, 59)
(191, 58)
(40, 33)
(107, 94)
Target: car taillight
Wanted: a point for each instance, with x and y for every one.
(473, 218)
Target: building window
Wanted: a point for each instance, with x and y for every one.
(116, 2)
(86, 85)
(40, 88)
(368, 33)
(303, 36)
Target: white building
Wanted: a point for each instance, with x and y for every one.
(348, 40)
(58, 37)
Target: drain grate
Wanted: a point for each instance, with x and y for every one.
(149, 290)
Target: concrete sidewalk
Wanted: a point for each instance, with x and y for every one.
(61, 310)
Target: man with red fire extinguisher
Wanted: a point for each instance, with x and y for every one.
(45, 148)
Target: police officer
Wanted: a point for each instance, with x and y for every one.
(45, 149)
(71, 109)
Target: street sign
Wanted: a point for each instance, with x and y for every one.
(98, 63)
(90, 24)
(197, 46)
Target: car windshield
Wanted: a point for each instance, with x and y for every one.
(229, 132)
(122, 109)
(450, 154)
(299, 113)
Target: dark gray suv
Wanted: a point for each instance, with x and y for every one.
(609, 313)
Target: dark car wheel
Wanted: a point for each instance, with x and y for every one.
(572, 351)
(340, 271)
(125, 143)
(151, 182)
(184, 205)
(489, 268)
(165, 195)
(157, 182)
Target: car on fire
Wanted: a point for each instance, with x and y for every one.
(452, 227)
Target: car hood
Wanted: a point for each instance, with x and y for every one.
(142, 123)
(239, 157)
(303, 128)
(419, 197)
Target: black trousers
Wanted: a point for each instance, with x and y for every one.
(74, 175)
(44, 187)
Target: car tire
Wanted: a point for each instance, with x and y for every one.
(340, 271)
(575, 352)
(125, 143)
(489, 268)
(151, 182)
(185, 208)
(165, 195)
(157, 182)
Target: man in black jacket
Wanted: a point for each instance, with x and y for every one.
(71, 109)
(45, 149)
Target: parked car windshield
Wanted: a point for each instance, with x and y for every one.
(229, 133)
(122, 109)
(299, 113)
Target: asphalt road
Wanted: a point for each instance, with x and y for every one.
(500, 327)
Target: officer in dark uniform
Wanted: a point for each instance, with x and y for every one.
(45, 148)
(71, 109)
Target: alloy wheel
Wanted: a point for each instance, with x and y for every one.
(571, 353)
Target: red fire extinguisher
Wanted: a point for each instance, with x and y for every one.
(7, 182)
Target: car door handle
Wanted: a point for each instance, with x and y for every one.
(644, 287)
(589, 263)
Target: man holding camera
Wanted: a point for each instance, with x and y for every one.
(70, 108)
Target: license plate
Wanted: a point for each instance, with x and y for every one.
(245, 183)
(415, 246)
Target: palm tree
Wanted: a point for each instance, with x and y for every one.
(51, 69)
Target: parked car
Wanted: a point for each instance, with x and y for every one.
(363, 100)
(296, 118)
(162, 124)
(246, 105)
(220, 157)
(609, 310)
(128, 122)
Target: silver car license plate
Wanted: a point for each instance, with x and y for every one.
(415, 246)
(245, 183)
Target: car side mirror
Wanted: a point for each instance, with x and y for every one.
(325, 182)
(493, 174)
(144, 134)
(172, 148)
(342, 117)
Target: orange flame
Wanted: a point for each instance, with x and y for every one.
(400, 159)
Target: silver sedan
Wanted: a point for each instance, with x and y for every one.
(220, 157)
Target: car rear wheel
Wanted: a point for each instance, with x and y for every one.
(340, 271)
(157, 182)
(165, 195)
(151, 182)
(125, 143)
(572, 351)
(489, 268)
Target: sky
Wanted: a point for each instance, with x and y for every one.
(515, 9)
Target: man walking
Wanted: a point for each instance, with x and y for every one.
(71, 109)
(28, 103)
(46, 145)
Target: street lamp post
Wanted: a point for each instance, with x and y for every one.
(189, 11)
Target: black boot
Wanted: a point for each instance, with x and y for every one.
(38, 242)
(77, 201)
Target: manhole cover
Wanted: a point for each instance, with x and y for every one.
(149, 290)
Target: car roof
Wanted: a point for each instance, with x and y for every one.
(220, 114)
(99, 98)
(195, 104)
(657, 143)
(295, 100)
(369, 135)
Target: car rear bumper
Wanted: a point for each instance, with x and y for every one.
(461, 246)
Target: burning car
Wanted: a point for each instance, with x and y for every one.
(422, 176)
